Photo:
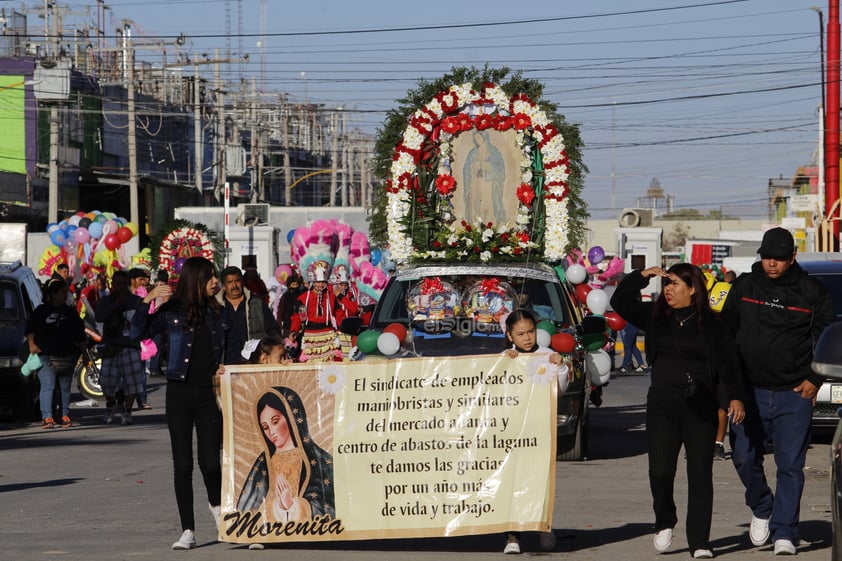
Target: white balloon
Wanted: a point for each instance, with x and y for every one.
(388, 343)
(598, 365)
(576, 273)
(597, 301)
(544, 339)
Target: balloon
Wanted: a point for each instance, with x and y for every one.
(282, 272)
(74, 220)
(111, 241)
(71, 245)
(58, 238)
(614, 321)
(376, 254)
(70, 229)
(81, 235)
(594, 341)
(398, 329)
(547, 326)
(597, 301)
(124, 235)
(84, 222)
(544, 339)
(95, 230)
(598, 364)
(582, 291)
(596, 254)
(367, 341)
(563, 343)
(576, 273)
(133, 227)
(110, 227)
(178, 264)
(290, 234)
(100, 218)
(388, 343)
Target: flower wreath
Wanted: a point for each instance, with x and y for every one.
(186, 239)
(420, 171)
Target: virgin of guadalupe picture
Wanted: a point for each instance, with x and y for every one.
(292, 478)
(486, 167)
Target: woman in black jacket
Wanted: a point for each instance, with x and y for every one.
(694, 366)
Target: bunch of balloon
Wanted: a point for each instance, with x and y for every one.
(88, 242)
(387, 343)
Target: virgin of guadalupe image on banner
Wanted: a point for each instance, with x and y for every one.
(486, 166)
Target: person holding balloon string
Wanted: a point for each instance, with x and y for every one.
(523, 334)
(694, 372)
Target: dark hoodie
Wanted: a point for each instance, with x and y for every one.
(776, 323)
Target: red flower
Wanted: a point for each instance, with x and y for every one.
(448, 101)
(477, 249)
(404, 181)
(521, 121)
(489, 225)
(437, 244)
(523, 236)
(504, 237)
(465, 122)
(495, 249)
(503, 123)
(464, 224)
(468, 228)
(445, 184)
(525, 194)
(450, 125)
(483, 122)
(517, 251)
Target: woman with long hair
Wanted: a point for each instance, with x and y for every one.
(195, 331)
(694, 367)
(292, 478)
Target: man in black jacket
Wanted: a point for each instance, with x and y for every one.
(776, 313)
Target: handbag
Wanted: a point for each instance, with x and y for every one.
(33, 363)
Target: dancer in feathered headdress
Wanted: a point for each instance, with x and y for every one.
(368, 279)
(314, 251)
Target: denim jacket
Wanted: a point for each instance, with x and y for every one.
(172, 321)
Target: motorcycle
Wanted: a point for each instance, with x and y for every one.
(88, 366)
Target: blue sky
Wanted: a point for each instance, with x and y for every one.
(711, 97)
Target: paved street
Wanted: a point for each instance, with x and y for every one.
(104, 493)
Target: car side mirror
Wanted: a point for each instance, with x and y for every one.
(827, 358)
(351, 326)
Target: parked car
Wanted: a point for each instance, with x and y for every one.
(536, 286)
(20, 293)
(829, 398)
(827, 361)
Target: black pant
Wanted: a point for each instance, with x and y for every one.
(670, 422)
(188, 406)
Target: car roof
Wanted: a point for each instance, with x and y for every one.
(539, 271)
(822, 267)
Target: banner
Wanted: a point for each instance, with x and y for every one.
(399, 448)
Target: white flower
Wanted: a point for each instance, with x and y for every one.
(331, 379)
(468, 242)
(485, 256)
(505, 249)
(452, 240)
(487, 234)
(526, 176)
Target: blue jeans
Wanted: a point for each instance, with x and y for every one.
(47, 377)
(630, 350)
(785, 416)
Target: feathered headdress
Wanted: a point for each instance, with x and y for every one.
(359, 252)
(342, 264)
(313, 249)
(370, 281)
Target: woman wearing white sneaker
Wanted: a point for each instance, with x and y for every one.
(692, 369)
(195, 329)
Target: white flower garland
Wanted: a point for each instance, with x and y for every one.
(463, 99)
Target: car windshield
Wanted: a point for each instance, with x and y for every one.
(9, 303)
(460, 314)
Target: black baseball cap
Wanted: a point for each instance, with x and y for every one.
(777, 243)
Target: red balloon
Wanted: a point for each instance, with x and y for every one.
(563, 343)
(112, 241)
(124, 235)
(582, 291)
(614, 321)
(398, 329)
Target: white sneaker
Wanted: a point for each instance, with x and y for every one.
(663, 539)
(703, 554)
(215, 512)
(186, 541)
(547, 541)
(512, 546)
(255, 546)
(758, 532)
(784, 547)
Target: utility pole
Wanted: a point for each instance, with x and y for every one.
(334, 154)
(221, 135)
(197, 130)
(52, 204)
(134, 213)
(831, 129)
(285, 114)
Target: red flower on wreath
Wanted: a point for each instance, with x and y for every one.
(483, 122)
(465, 122)
(525, 194)
(503, 123)
(445, 184)
(451, 125)
(523, 236)
(522, 121)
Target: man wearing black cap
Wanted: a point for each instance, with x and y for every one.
(776, 313)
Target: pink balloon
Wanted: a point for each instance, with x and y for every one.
(81, 235)
(110, 227)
